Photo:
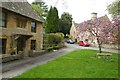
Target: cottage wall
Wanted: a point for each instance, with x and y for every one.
(13, 29)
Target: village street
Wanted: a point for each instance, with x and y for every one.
(17, 67)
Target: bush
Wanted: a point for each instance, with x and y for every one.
(54, 39)
(56, 47)
(50, 48)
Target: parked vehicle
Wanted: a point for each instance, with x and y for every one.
(83, 43)
(70, 41)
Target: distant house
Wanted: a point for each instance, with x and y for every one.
(21, 28)
(80, 32)
(73, 31)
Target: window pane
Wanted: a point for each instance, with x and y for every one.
(0, 23)
(33, 44)
(3, 20)
(3, 16)
(33, 27)
(0, 46)
(33, 24)
(3, 23)
(3, 46)
(0, 15)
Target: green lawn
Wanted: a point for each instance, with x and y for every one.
(77, 64)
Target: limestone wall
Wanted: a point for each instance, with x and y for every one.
(13, 29)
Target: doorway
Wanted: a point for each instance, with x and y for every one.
(21, 44)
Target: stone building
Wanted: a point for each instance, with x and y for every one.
(79, 31)
(73, 31)
(20, 28)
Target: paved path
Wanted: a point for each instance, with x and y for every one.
(15, 68)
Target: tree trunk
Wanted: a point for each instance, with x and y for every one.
(99, 45)
(99, 48)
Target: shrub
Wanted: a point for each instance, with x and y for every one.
(56, 47)
(50, 48)
(54, 39)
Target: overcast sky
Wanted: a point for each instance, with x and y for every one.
(80, 9)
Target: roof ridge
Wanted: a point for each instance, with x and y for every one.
(22, 8)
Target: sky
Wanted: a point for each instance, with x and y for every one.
(80, 9)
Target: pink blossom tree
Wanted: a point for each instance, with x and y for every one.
(102, 30)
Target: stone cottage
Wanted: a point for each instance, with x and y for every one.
(80, 30)
(20, 28)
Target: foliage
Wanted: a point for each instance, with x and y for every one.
(50, 48)
(114, 32)
(40, 7)
(114, 8)
(53, 48)
(76, 64)
(65, 23)
(56, 47)
(54, 39)
(52, 21)
(100, 29)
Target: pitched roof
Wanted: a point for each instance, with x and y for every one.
(103, 19)
(23, 8)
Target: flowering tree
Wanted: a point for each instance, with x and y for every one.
(115, 31)
(104, 31)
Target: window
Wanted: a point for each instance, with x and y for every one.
(3, 46)
(33, 27)
(0, 46)
(33, 44)
(3, 18)
(21, 23)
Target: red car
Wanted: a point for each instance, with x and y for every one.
(85, 43)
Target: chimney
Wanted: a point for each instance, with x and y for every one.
(93, 16)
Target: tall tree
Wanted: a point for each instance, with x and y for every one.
(52, 21)
(114, 8)
(65, 23)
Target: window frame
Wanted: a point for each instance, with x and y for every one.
(4, 50)
(21, 23)
(33, 29)
(33, 44)
(3, 19)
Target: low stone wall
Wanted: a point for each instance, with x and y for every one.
(9, 58)
(110, 46)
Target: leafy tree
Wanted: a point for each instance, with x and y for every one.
(114, 8)
(40, 7)
(65, 23)
(52, 21)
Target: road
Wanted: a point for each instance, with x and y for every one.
(76, 46)
(18, 67)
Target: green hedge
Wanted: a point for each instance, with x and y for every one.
(53, 48)
(53, 39)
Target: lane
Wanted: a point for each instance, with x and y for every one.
(76, 46)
